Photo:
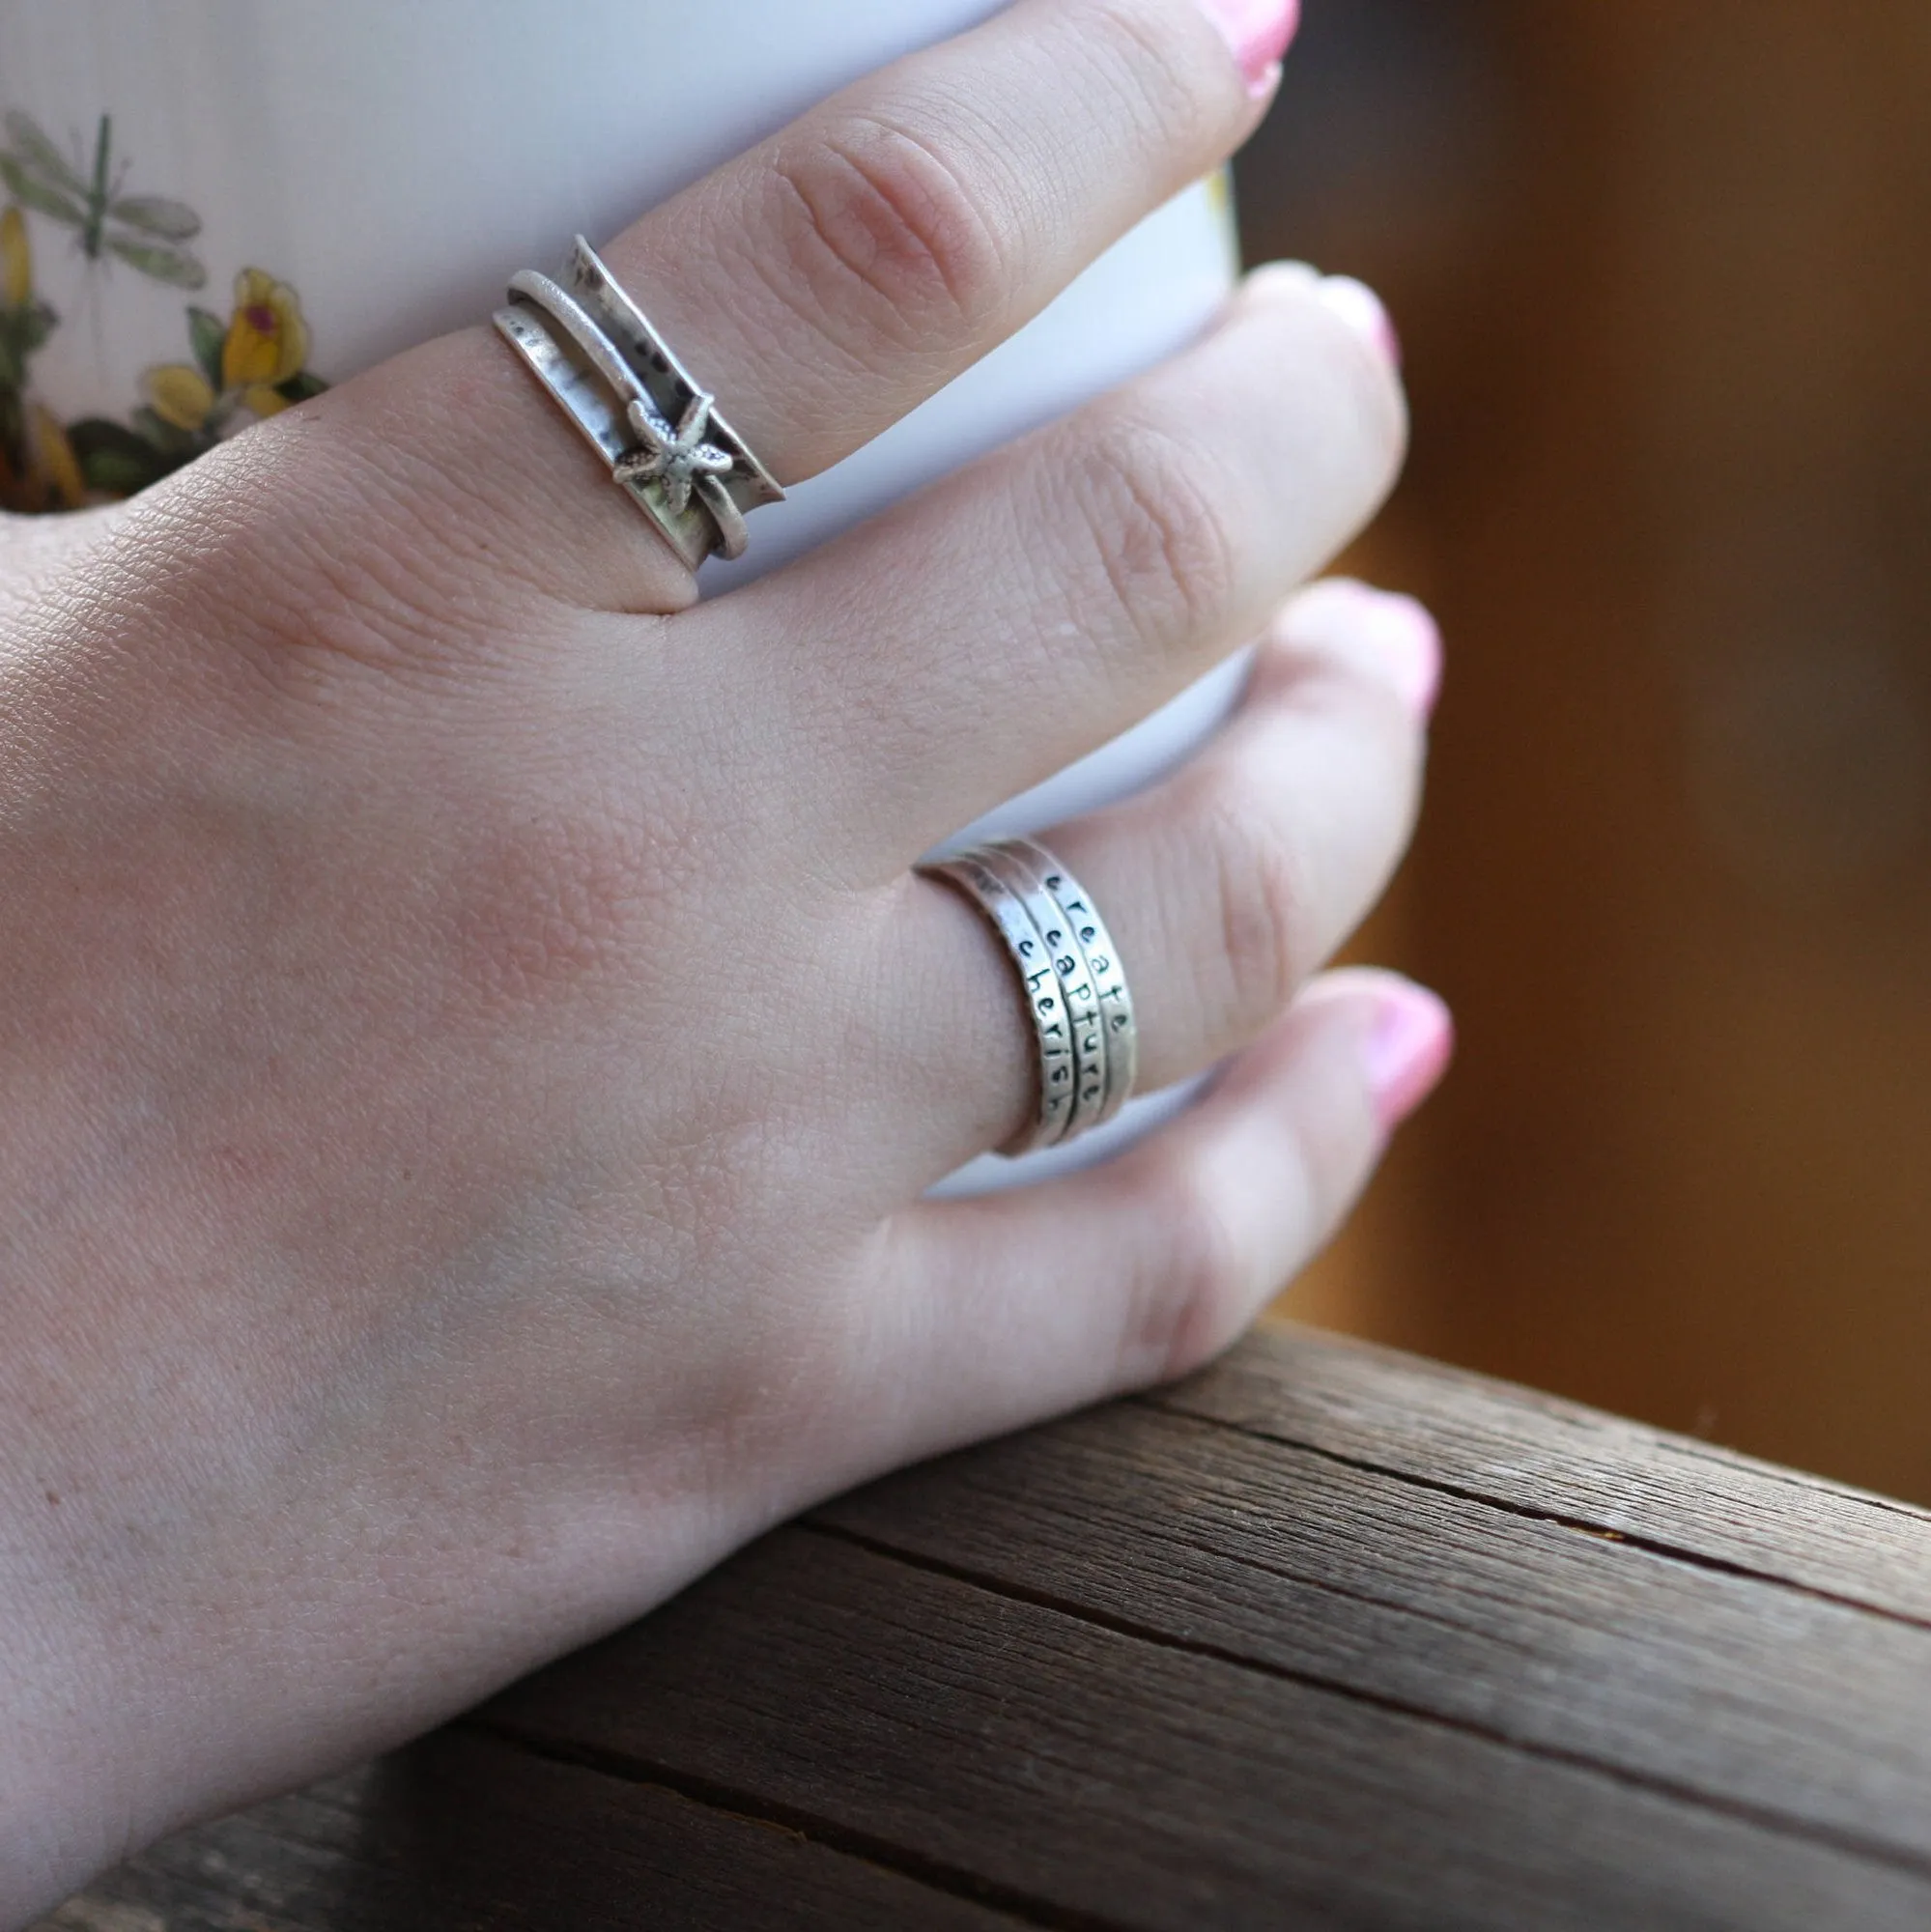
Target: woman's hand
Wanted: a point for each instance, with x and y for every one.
(472, 1043)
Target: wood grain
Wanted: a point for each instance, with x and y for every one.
(1324, 1638)
(464, 1832)
(1090, 1777)
(1719, 1688)
(1439, 1426)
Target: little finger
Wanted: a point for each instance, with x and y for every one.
(1028, 1304)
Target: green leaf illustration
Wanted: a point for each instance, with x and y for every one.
(300, 386)
(170, 439)
(22, 330)
(206, 333)
(116, 460)
(38, 322)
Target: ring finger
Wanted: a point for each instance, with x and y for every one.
(1226, 887)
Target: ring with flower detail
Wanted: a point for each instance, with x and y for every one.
(614, 376)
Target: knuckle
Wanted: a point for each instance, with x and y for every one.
(1198, 1299)
(869, 212)
(1260, 901)
(1159, 536)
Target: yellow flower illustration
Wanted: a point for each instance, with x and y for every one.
(55, 467)
(16, 261)
(266, 343)
(179, 394)
(249, 363)
(267, 340)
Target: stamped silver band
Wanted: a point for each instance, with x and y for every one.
(1044, 996)
(1102, 960)
(614, 376)
(1069, 962)
(1069, 970)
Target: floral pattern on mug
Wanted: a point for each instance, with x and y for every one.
(37, 469)
(252, 365)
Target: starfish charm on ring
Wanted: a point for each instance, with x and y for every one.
(675, 457)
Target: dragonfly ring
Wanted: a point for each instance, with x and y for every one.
(614, 376)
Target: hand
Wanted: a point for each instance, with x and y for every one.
(473, 1044)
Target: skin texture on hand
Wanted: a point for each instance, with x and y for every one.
(472, 1043)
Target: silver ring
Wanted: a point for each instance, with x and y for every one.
(1044, 996)
(1068, 960)
(614, 376)
(1085, 1030)
(1120, 1024)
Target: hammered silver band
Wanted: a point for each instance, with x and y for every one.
(667, 447)
(1085, 1033)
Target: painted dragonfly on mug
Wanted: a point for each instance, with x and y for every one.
(149, 232)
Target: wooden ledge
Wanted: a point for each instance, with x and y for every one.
(1323, 1637)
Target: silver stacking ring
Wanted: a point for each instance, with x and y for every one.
(1076, 995)
(614, 376)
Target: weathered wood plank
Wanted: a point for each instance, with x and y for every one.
(1702, 1682)
(1089, 1776)
(1324, 1638)
(1543, 1455)
(466, 1833)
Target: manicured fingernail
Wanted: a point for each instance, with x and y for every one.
(1259, 31)
(1408, 1047)
(1365, 313)
(1407, 641)
(1282, 278)
(1379, 633)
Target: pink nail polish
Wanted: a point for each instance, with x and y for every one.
(1259, 32)
(1408, 1051)
(1409, 642)
(1365, 313)
(1380, 633)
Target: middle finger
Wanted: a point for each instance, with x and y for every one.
(1016, 617)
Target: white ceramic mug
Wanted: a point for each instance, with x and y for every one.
(220, 204)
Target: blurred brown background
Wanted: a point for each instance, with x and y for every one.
(1663, 272)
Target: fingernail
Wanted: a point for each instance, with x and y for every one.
(1259, 32)
(1365, 313)
(1282, 278)
(1379, 633)
(1407, 641)
(1408, 1047)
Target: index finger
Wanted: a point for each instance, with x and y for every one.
(840, 273)
(828, 280)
